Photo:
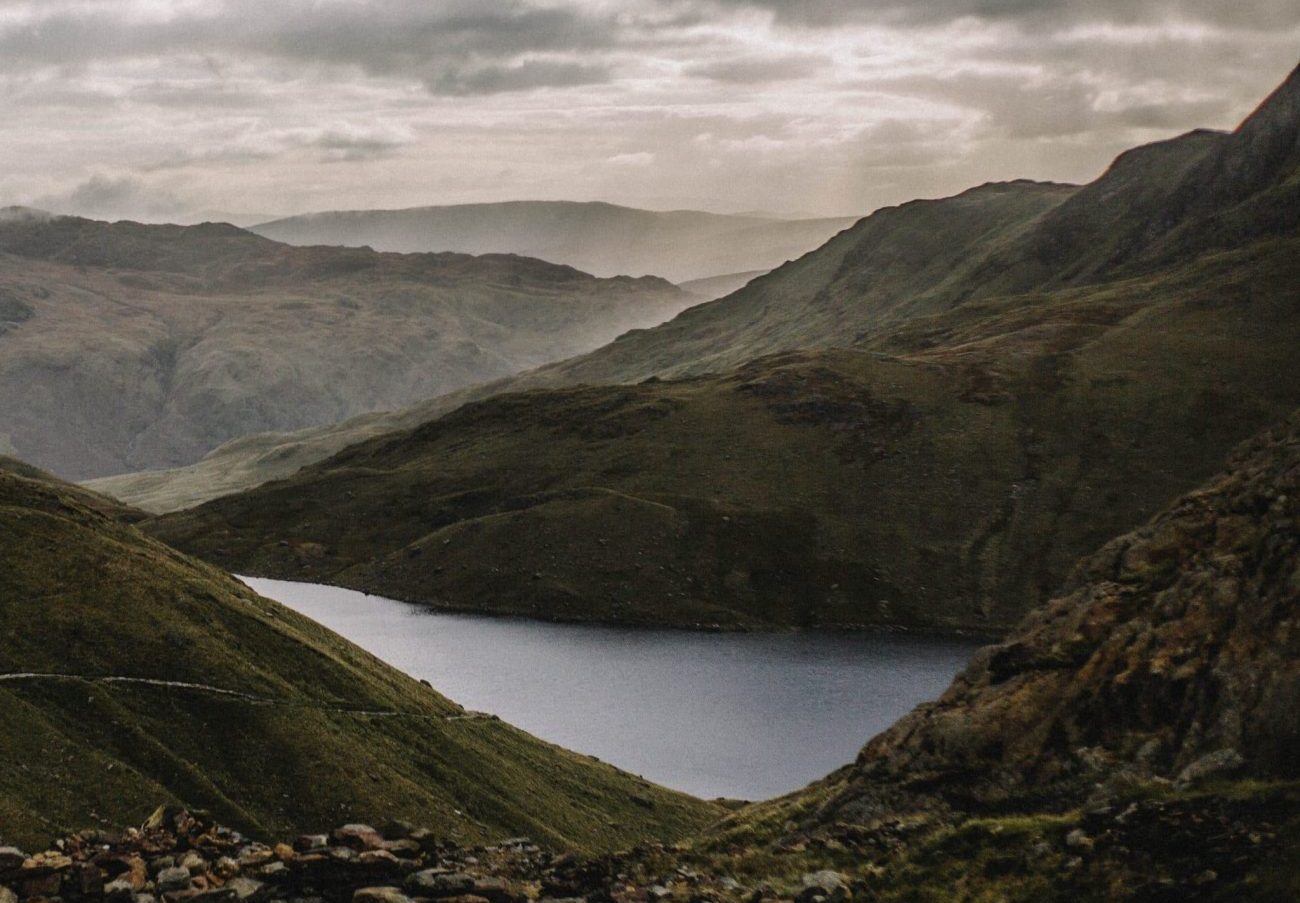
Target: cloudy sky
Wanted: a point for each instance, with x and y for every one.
(176, 109)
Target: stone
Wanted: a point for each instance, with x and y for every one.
(359, 837)
(283, 852)
(826, 884)
(225, 868)
(193, 863)
(255, 854)
(11, 858)
(398, 829)
(246, 890)
(6, 895)
(379, 895)
(1078, 840)
(1217, 764)
(173, 878)
(495, 890)
(405, 848)
(136, 872)
(311, 843)
(119, 890)
(435, 884)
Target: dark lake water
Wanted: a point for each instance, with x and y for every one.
(747, 716)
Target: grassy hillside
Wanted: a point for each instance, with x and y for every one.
(132, 675)
(124, 346)
(599, 238)
(944, 473)
(1156, 207)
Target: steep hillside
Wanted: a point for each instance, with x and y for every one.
(789, 308)
(131, 675)
(1155, 207)
(951, 480)
(599, 238)
(1132, 739)
(125, 346)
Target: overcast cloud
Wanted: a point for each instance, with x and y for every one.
(175, 109)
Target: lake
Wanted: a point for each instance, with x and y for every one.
(739, 715)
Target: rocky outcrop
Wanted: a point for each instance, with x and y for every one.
(179, 856)
(1173, 655)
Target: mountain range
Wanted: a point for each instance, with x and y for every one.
(126, 346)
(923, 422)
(604, 239)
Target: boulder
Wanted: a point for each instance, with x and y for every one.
(379, 895)
(173, 878)
(358, 837)
(824, 885)
(436, 884)
(1220, 763)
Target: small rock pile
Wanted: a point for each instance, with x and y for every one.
(183, 857)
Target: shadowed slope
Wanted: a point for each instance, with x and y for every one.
(950, 481)
(182, 684)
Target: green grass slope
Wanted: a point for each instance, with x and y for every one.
(125, 346)
(182, 685)
(944, 473)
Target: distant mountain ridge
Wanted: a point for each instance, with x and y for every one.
(924, 422)
(599, 238)
(126, 346)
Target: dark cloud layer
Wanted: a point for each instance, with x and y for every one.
(1036, 14)
(453, 47)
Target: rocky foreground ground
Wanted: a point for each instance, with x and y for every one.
(1203, 846)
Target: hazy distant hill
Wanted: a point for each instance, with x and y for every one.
(599, 238)
(125, 346)
(131, 675)
(990, 385)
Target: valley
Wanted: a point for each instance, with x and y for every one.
(470, 541)
(919, 424)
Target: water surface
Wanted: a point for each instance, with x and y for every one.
(747, 716)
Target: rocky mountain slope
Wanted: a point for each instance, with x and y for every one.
(131, 675)
(124, 346)
(599, 238)
(945, 469)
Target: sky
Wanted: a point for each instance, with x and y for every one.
(180, 110)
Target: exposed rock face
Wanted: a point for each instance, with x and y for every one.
(1173, 652)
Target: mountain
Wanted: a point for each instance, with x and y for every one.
(944, 466)
(1132, 739)
(715, 287)
(599, 238)
(132, 675)
(125, 346)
